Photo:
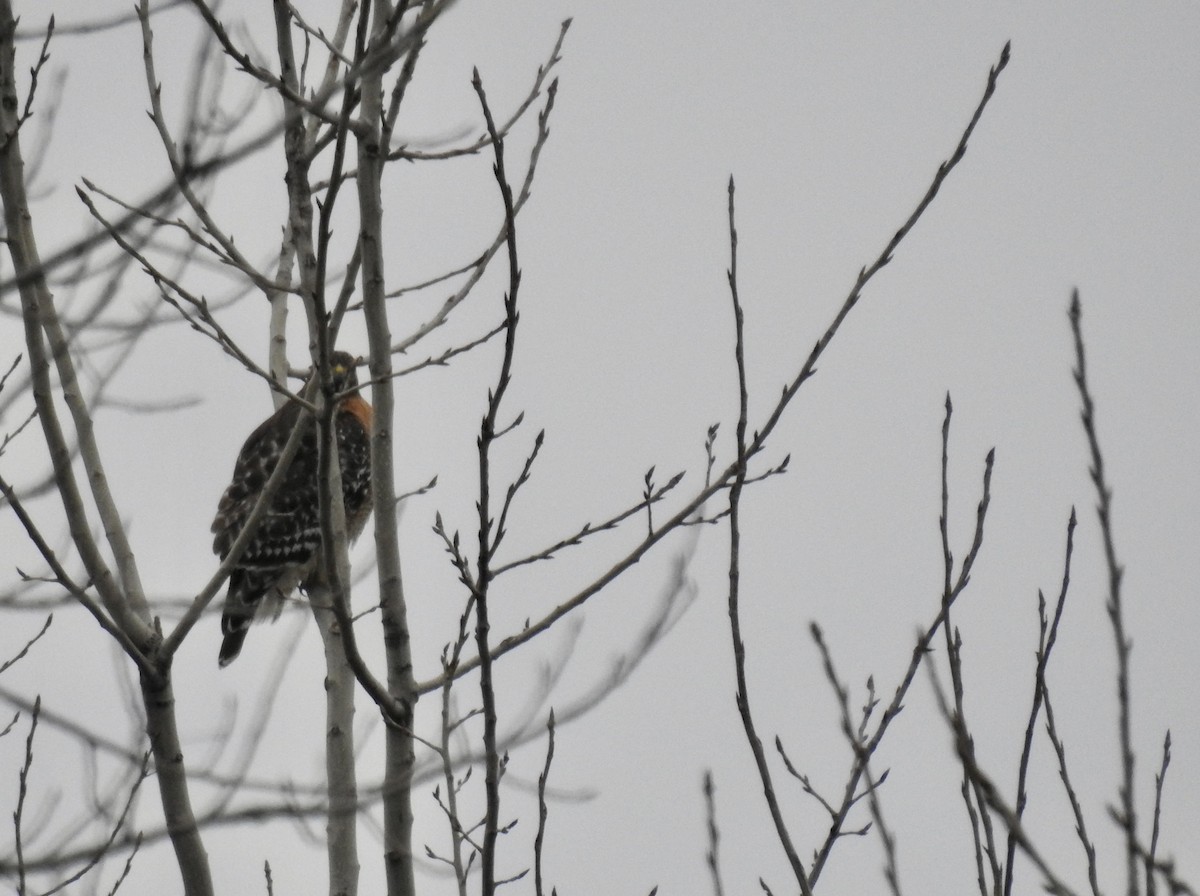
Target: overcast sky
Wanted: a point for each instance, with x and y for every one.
(832, 118)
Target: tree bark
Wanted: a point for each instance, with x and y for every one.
(159, 700)
(399, 755)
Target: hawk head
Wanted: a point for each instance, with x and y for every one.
(344, 367)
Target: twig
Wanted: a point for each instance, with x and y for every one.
(1127, 818)
(588, 529)
(93, 26)
(1048, 635)
(1151, 853)
(137, 844)
(978, 813)
(486, 138)
(855, 739)
(102, 851)
(443, 359)
(714, 835)
(1166, 867)
(487, 435)
(477, 270)
(62, 578)
(514, 487)
(221, 259)
(735, 625)
(126, 602)
(450, 659)
(384, 52)
(20, 655)
(22, 788)
(453, 785)
(1060, 752)
(990, 794)
(804, 780)
(539, 838)
(11, 367)
(10, 133)
(868, 273)
(920, 650)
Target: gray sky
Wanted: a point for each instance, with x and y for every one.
(832, 118)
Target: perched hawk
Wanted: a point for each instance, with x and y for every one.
(287, 542)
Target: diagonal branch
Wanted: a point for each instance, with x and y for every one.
(124, 601)
(723, 479)
(991, 794)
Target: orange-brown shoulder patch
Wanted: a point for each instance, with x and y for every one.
(361, 410)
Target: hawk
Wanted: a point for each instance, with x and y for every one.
(286, 545)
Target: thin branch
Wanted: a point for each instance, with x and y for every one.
(1166, 868)
(714, 834)
(486, 138)
(20, 654)
(978, 813)
(442, 314)
(855, 739)
(514, 487)
(126, 601)
(1060, 752)
(384, 52)
(94, 26)
(991, 795)
(1127, 818)
(1048, 635)
(137, 844)
(539, 837)
(222, 260)
(487, 435)
(1151, 853)
(804, 780)
(735, 625)
(63, 578)
(22, 789)
(588, 529)
(920, 650)
(444, 358)
(868, 273)
(102, 851)
(722, 480)
(453, 785)
(35, 71)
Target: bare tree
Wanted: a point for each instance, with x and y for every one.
(336, 90)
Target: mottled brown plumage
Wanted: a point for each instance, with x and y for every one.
(286, 545)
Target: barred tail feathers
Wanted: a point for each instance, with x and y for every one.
(242, 602)
(231, 645)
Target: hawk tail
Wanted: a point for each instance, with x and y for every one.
(246, 591)
(231, 646)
